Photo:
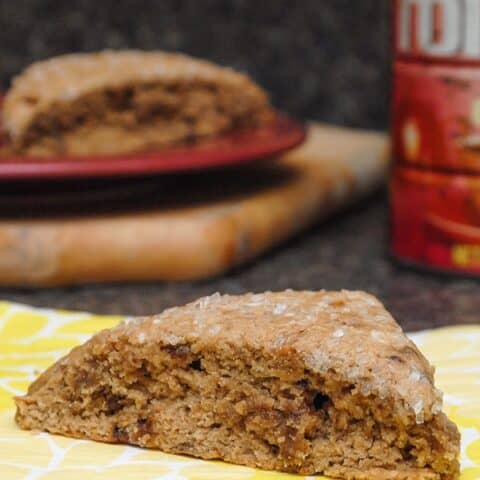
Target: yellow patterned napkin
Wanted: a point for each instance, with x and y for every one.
(31, 339)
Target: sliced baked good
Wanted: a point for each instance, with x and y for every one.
(307, 382)
(126, 101)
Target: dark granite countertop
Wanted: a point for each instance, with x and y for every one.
(349, 251)
(336, 54)
(307, 54)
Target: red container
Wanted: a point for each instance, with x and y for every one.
(435, 187)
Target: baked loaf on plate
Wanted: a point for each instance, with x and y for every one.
(306, 382)
(126, 101)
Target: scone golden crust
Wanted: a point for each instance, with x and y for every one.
(126, 101)
(307, 382)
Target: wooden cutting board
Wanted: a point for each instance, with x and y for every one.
(183, 227)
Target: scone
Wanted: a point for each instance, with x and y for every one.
(306, 382)
(126, 101)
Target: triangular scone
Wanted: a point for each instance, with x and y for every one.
(308, 382)
(126, 101)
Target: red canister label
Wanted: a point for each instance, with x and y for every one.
(435, 189)
(437, 30)
(436, 120)
(436, 218)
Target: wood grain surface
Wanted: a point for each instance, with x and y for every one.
(182, 227)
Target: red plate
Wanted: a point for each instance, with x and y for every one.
(244, 146)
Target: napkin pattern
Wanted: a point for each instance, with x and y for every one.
(32, 339)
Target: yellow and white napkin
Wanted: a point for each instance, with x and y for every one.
(32, 339)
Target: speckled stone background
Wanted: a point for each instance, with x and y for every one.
(349, 251)
(321, 59)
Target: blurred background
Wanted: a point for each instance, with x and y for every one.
(326, 60)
